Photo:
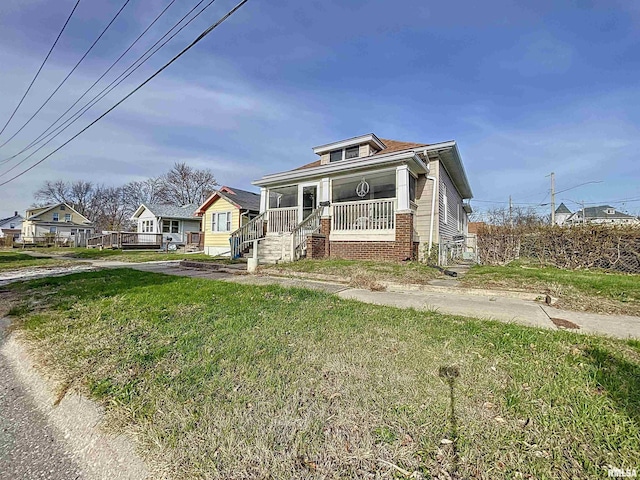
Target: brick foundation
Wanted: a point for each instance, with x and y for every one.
(402, 248)
(317, 244)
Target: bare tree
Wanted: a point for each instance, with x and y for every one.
(111, 208)
(184, 185)
(78, 194)
(518, 217)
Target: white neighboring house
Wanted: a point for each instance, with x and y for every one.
(59, 221)
(11, 226)
(173, 222)
(603, 214)
(562, 214)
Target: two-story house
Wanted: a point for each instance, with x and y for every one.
(363, 198)
(11, 226)
(59, 221)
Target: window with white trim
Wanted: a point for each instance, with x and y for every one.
(221, 222)
(56, 217)
(67, 217)
(53, 229)
(344, 154)
(170, 226)
(445, 203)
(147, 226)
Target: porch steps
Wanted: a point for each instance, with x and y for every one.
(270, 249)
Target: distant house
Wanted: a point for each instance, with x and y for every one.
(602, 214)
(225, 211)
(562, 214)
(60, 221)
(173, 222)
(11, 226)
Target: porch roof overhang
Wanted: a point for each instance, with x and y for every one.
(346, 166)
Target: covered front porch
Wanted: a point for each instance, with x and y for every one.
(359, 207)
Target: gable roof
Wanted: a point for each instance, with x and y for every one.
(562, 208)
(600, 212)
(242, 199)
(16, 218)
(185, 212)
(47, 208)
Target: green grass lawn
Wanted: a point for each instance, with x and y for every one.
(132, 256)
(577, 289)
(360, 272)
(12, 260)
(220, 380)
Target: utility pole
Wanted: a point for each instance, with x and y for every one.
(510, 212)
(553, 198)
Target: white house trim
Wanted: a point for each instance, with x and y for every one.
(370, 138)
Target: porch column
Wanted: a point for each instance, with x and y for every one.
(325, 196)
(402, 192)
(263, 200)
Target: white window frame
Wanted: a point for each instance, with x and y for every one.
(344, 153)
(53, 230)
(216, 221)
(147, 226)
(445, 204)
(67, 217)
(171, 223)
(56, 217)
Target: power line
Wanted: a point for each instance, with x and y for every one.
(165, 66)
(41, 67)
(69, 74)
(108, 89)
(71, 120)
(93, 85)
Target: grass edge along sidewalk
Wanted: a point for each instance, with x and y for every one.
(222, 380)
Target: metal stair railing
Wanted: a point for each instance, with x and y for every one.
(247, 233)
(299, 234)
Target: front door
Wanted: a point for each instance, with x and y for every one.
(309, 199)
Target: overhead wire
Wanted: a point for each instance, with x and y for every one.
(34, 142)
(41, 67)
(206, 32)
(69, 74)
(109, 88)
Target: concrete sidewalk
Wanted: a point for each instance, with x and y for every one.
(487, 306)
(484, 305)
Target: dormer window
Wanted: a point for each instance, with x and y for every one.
(344, 154)
(610, 211)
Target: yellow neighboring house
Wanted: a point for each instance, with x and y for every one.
(226, 210)
(60, 221)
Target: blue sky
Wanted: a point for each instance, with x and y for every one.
(524, 89)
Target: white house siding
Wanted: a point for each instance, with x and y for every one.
(184, 226)
(454, 201)
(148, 215)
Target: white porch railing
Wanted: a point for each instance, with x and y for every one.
(299, 235)
(249, 232)
(364, 215)
(281, 220)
